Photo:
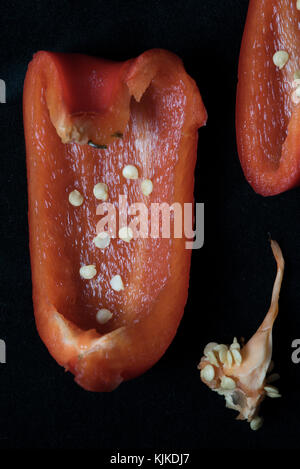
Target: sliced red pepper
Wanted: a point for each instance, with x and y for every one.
(144, 112)
(267, 110)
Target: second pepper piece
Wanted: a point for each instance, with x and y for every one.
(267, 114)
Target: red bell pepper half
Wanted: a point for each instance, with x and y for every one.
(107, 314)
(267, 107)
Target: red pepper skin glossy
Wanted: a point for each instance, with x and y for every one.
(68, 100)
(267, 120)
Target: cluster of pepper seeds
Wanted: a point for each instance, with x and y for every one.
(220, 356)
(102, 240)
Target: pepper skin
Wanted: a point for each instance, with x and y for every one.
(267, 116)
(143, 112)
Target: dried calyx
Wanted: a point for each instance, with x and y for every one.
(241, 375)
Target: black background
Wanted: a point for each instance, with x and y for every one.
(231, 277)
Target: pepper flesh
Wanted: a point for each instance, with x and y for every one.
(267, 119)
(146, 111)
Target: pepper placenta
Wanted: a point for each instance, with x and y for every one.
(107, 308)
(242, 374)
(267, 107)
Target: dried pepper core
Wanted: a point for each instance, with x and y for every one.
(107, 307)
(240, 374)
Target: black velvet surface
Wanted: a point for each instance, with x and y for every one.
(231, 276)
